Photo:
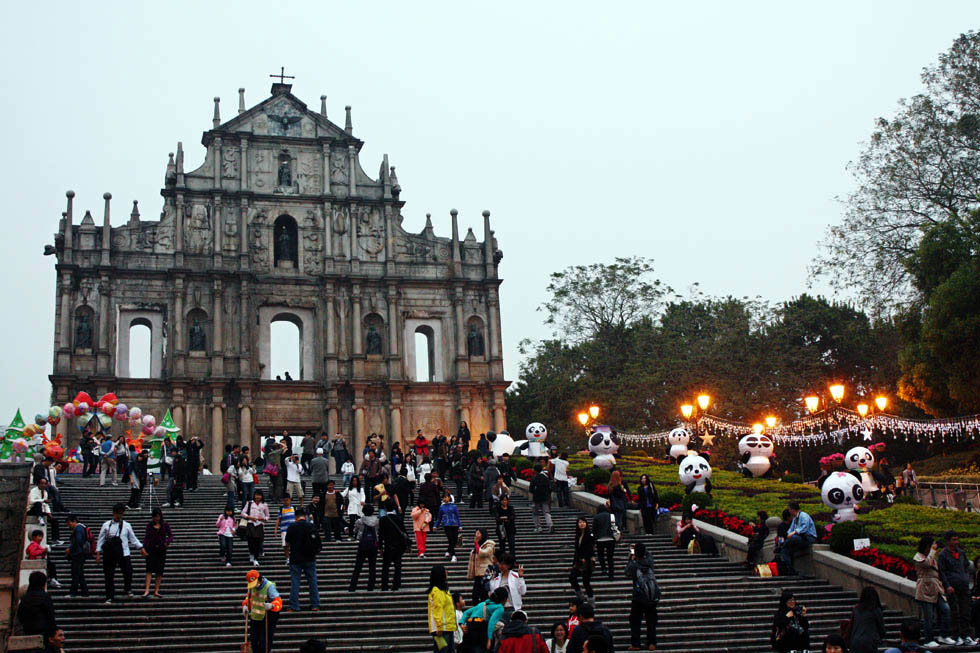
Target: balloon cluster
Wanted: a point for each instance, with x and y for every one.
(98, 415)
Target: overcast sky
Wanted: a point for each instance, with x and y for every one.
(710, 136)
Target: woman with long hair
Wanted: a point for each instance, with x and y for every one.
(506, 525)
(867, 623)
(583, 561)
(790, 627)
(649, 501)
(156, 542)
(930, 593)
(354, 495)
(442, 612)
(619, 496)
(256, 512)
(559, 638)
(481, 555)
(448, 519)
(686, 530)
(246, 474)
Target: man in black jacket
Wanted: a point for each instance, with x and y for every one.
(588, 626)
(77, 556)
(194, 446)
(302, 560)
(541, 500)
(394, 543)
(954, 571)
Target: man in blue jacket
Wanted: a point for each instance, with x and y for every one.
(802, 534)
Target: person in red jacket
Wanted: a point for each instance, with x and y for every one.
(518, 637)
(421, 446)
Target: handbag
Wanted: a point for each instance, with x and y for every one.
(270, 470)
(255, 478)
(693, 546)
(476, 631)
(242, 529)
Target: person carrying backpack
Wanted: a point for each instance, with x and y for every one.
(394, 543)
(81, 547)
(366, 535)
(303, 543)
(646, 593)
(519, 637)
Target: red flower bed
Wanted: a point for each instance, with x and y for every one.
(885, 562)
(726, 521)
(603, 491)
(527, 474)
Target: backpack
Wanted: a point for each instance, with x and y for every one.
(88, 546)
(369, 539)
(312, 542)
(224, 465)
(646, 588)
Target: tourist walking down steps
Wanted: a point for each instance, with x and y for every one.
(115, 543)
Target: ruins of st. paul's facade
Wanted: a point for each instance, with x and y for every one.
(281, 223)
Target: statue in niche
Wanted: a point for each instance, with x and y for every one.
(474, 342)
(197, 337)
(284, 250)
(83, 332)
(285, 175)
(373, 341)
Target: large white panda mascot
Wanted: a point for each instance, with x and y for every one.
(860, 460)
(534, 446)
(695, 474)
(841, 492)
(603, 444)
(501, 443)
(678, 439)
(756, 451)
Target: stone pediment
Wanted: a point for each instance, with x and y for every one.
(283, 115)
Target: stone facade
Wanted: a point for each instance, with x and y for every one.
(280, 222)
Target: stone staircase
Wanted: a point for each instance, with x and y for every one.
(709, 604)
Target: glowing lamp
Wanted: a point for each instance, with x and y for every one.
(704, 401)
(812, 403)
(837, 392)
(770, 421)
(862, 409)
(757, 428)
(594, 411)
(687, 410)
(881, 402)
(583, 418)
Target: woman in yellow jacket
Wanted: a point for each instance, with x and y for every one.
(442, 612)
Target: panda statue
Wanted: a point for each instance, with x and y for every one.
(860, 460)
(695, 473)
(501, 443)
(841, 492)
(756, 451)
(678, 439)
(603, 444)
(534, 446)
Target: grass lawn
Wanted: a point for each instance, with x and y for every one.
(894, 529)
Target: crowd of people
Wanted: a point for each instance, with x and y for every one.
(385, 490)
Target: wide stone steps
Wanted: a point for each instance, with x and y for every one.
(709, 604)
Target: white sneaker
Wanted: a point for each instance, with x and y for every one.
(932, 644)
(949, 641)
(227, 564)
(54, 583)
(972, 641)
(453, 559)
(959, 642)
(447, 555)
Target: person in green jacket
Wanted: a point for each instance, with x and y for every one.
(485, 616)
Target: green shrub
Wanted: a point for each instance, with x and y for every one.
(906, 499)
(843, 534)
(521, 463)
(596, 476)
(472, 455)
(791, 478)
(670, 497)
(700, 498)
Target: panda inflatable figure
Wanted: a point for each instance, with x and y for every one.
(695, 474)
(534, 446)
(756, 451)
(841, 492)
(678, 439)
(860, 460)
(501, 443)
(603, 444)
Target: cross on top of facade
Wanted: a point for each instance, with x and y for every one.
(282, 75)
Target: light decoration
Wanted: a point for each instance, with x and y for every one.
(704, 401)
(594, 411)
(812, 403)
(583, 418)
(862, 410)
(757, 428)
(770, 421)
(881, 402)
(837, 392)
(687, 410)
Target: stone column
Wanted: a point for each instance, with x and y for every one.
(106, 230)
(243, 164)
(66, 310)
(325, 149)
(179, 230)
(359, 435)
(331, 323)
(103, 356)
(493, 315)
(396, 424)
(245, 437)
(217, 163)
(460, 324)
(332, 414)
(328, 235)
(243, 232)
(393, 329)
(499, 420)
(217, 329)
(178, 416)
(179, 315)
(244, 330)
(352, 161)
(217, 433)
(216, 206)
(356, 320)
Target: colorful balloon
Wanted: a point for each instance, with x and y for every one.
(19, 445)
(121, 413)
(149, 420)
(105, 420)
(40, 419)
(55, 411)
(108, 409)
(159, 432)
(81, 408)
(135, 413)
(68, 410)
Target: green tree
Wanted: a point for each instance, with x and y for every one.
(918, 169)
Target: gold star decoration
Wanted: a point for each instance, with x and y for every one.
(707, 440)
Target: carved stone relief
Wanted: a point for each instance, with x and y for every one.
(258, 244)
(370, 231)
(309, 174)
(312, 242)
(197, 230)
(229, 163)
(338, 172)
(162, 239)
(229, 228)
(340, 223)
(260, 169)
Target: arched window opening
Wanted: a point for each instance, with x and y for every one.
(140, 342)
(286, 355)
(286, 242)
(425, 354)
